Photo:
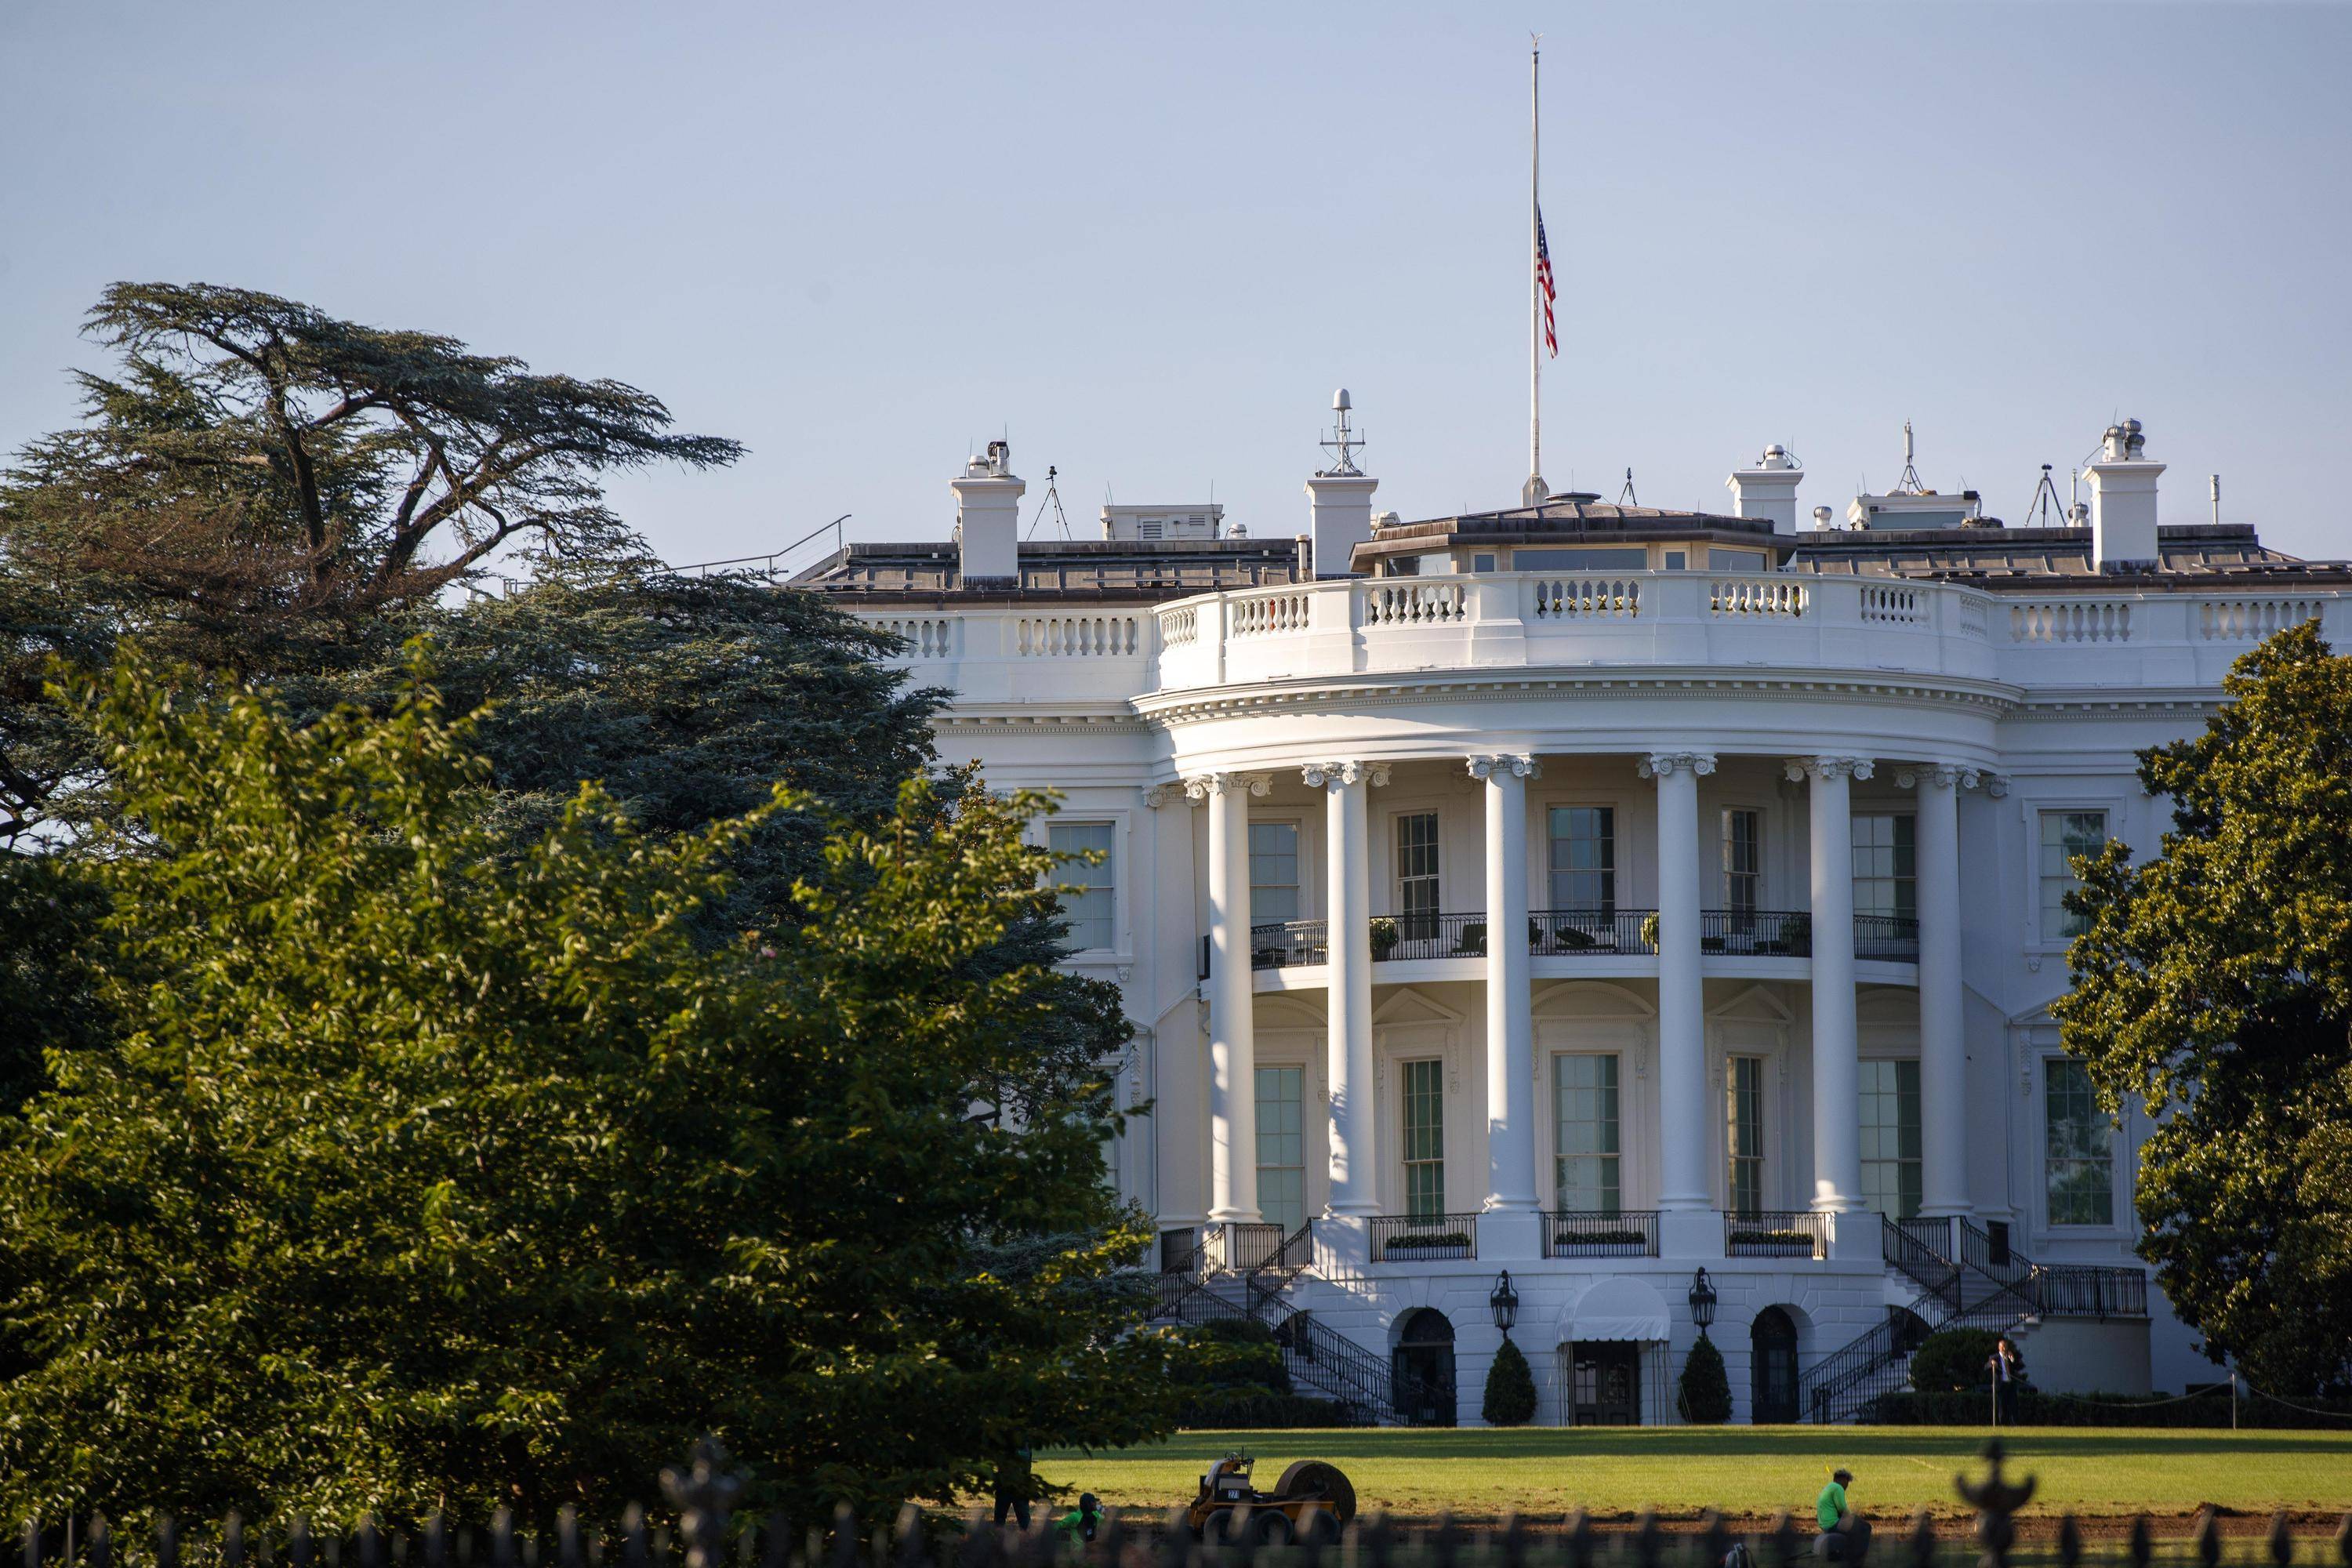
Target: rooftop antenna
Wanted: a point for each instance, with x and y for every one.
(1052, 498)
(2214, 483)
(1908, 485)
(1625, 495)
(1343, 439)
(2045, 502)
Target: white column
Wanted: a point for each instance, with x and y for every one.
(1511, 1180)
(1943, 1046)
(1837, 1072)
(1233, 1042)
(1348, 914)
(1685, 1128)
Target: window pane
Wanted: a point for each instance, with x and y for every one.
(1890, 1138)
(1886, 864)
(1585, 1135)
(2065, 834)
(1743, 1083)
(1586, 560)
(1282, 1146)
(1425, 1139)
(1088, 892)
(1584, 857)
(1274, 872)
(1416, 861)
(2078, 1158)
(1742, 860)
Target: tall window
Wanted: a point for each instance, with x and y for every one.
(1282, 1147)
(1090, 893)
(1886, 864)
(1416, 869)
(2065, 834)
(1743, 860)
(1274, 872)
(1890, 1138)
(1584, 859)
(1425, 1139)
(2078, 1152)
(1743, 1107)
(1584, 1133)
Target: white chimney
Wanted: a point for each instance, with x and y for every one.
(988, 519)
(1339, 499)
(2123, 502)
(1769, 489)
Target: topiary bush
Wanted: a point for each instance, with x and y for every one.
(1511, 1390)
(1952, 1361)
(1706, 1386)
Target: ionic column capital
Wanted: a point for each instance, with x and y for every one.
(1516, 765)
(1160, 794)
(1340, 774)
(1201, 786)
(1829, 768)
(1936, 775)
(1662, 765)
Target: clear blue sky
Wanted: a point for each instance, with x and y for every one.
(1149, 242)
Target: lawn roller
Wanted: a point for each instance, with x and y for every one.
(1313, 1501)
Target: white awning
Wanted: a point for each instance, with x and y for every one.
(1621, 1308)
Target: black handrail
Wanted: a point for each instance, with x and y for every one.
(1575, 1233)
(1570, 934)
(1761, 933)
(1432, 1235)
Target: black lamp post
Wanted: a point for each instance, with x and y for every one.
(1504, 1302)
(1701, 1302)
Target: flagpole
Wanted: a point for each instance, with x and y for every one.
(1534, 490)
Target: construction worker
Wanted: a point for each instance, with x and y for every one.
(1077, 1527)
(1845, 1534)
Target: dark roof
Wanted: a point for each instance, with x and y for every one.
(1145, 570)
(1992, 555)
(1564, 521)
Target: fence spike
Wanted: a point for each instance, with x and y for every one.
(102, 1542)
(1377, 1542)
(1784, 1538)
(232, 1540)
(776, 1542)
(633, 1538)
(2209, 1538)
(436, 1541)
(371, 1543)
(530, 1549)
(167, 1543)
(567, 1538)
(399, 1549)
(502, 1540)
(661, 1546)
(747, 1544)
(2282, 1540)
(2344, 1541)
(1922, 1539)
(1579, 1539)
(331, 1548)
(2070, 1540)
(465, 1543)
(2141, 1547)
(1713, 1541)
(1514, 1540)
(1446, 1543)
(261, 1547)
(978, 1543)
(910, 1537)
(298, 1545)
(33, 1543)
(845, 1536)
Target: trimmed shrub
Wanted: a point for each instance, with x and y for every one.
(1511, 1390)
(1952, 1361)
(1706, 1386)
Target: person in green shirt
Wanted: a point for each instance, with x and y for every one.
(1845, 1534)
(1077, 1526)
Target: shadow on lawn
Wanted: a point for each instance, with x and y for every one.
(1943, 1444)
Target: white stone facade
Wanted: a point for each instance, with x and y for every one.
(1629, 899)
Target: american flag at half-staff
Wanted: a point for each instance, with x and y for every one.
(1543, 281)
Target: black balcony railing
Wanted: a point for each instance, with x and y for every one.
(2082, 1290)
(1399, 1238)
(1287, 944)
(1776, 1233)
(1757, 934)
(1431, 935)
(1886, 936)
(1578, 1233)
(1570, 933)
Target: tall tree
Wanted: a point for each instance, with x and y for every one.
(2215, 983)
(430, 1168)
(260, 481)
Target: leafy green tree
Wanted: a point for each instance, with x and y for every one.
(1706, 1386)
(1510, 1397)
(424, 1169)
(260, 484)
(2214, 981)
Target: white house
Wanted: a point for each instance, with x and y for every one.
(1603, 894)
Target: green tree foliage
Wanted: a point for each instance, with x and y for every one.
(1510, 1398)
(426, 1169)
(260, 483)
(1953, 1360)
(1705, 1388)
(2214, 981)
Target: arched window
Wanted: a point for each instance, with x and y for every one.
(1772, 1361)
(1422, 1368)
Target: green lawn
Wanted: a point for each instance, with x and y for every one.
(1745, 1470)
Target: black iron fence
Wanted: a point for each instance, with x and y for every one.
(1757, 934)
(1575, 1233)
(1774, 1233)
(1886, 936)
(1397, 1238)
(1570, 934)
(696, 1528)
